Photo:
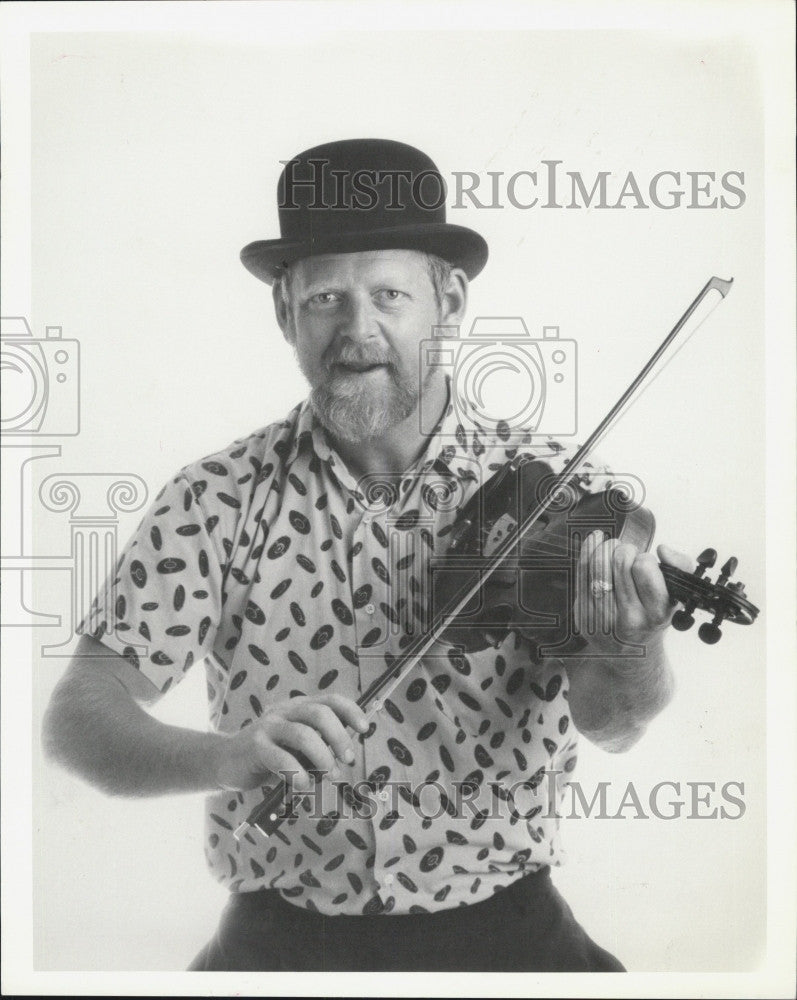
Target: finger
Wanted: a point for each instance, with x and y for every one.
(588, 549)
(348, 711)
(583, 605)
(675, 558)
(601, 573)
(652, 590)
(627, 597)
(588, 546)
(275, 760)
(331, 729)
(297, 737)
(601, 570)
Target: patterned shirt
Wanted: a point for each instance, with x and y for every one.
(270, 563)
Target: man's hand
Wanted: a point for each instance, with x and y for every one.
(621, 593)
(621, 599)
(96, 727)
(292, 736)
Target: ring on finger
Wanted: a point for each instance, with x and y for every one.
(601, 588)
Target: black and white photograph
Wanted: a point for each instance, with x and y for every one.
(398, 499)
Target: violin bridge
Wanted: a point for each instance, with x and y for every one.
(498, 534)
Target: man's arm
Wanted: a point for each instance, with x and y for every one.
(612, 699)
(96, 727)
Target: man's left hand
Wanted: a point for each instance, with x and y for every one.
(621, 593)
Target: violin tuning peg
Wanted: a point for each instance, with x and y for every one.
(727, 571)
(682, 621)
(705, 561)
(710, 633)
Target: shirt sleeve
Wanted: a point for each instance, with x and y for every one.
(161, 606)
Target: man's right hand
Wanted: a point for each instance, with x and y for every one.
(292, 736)
(96, 727)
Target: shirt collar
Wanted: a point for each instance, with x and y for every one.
(451, 438)
(310, 433)
(457, 435)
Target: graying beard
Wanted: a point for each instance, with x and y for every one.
(354, 418)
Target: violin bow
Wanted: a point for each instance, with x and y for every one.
(269, 814)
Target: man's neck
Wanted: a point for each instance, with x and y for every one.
(400, 446)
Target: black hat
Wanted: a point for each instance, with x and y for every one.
(362, 194)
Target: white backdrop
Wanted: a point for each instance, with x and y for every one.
(154, 159)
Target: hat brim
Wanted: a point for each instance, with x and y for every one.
(461, 247)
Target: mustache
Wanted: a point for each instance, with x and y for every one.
(359, 356)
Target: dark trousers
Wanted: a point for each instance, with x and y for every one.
(527, 927)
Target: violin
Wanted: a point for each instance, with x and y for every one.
(510, 568)
(532, 592)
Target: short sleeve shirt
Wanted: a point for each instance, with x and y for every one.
(286, 577)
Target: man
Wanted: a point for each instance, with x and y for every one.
(272, 562)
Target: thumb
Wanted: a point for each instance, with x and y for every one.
(675, 558)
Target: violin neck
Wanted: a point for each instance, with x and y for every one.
(680, 585)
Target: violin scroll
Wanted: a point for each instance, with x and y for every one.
(726, 601)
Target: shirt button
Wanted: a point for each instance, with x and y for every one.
(388, 880)
(384, 795)
(369, 609)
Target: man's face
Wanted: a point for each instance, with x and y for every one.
(356, 321)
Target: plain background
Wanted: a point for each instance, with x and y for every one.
(155, 158)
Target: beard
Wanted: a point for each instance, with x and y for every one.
(355, 407)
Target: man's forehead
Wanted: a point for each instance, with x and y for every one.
(362, 263)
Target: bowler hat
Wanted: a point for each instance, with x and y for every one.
(362, 194)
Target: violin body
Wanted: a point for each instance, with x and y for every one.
(532, 592)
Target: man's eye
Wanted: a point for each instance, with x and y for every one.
(325, 298)
(391, 294)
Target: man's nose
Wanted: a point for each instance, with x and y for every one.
(358, 322)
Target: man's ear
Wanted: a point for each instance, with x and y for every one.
(455, 298)
(282, 311)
